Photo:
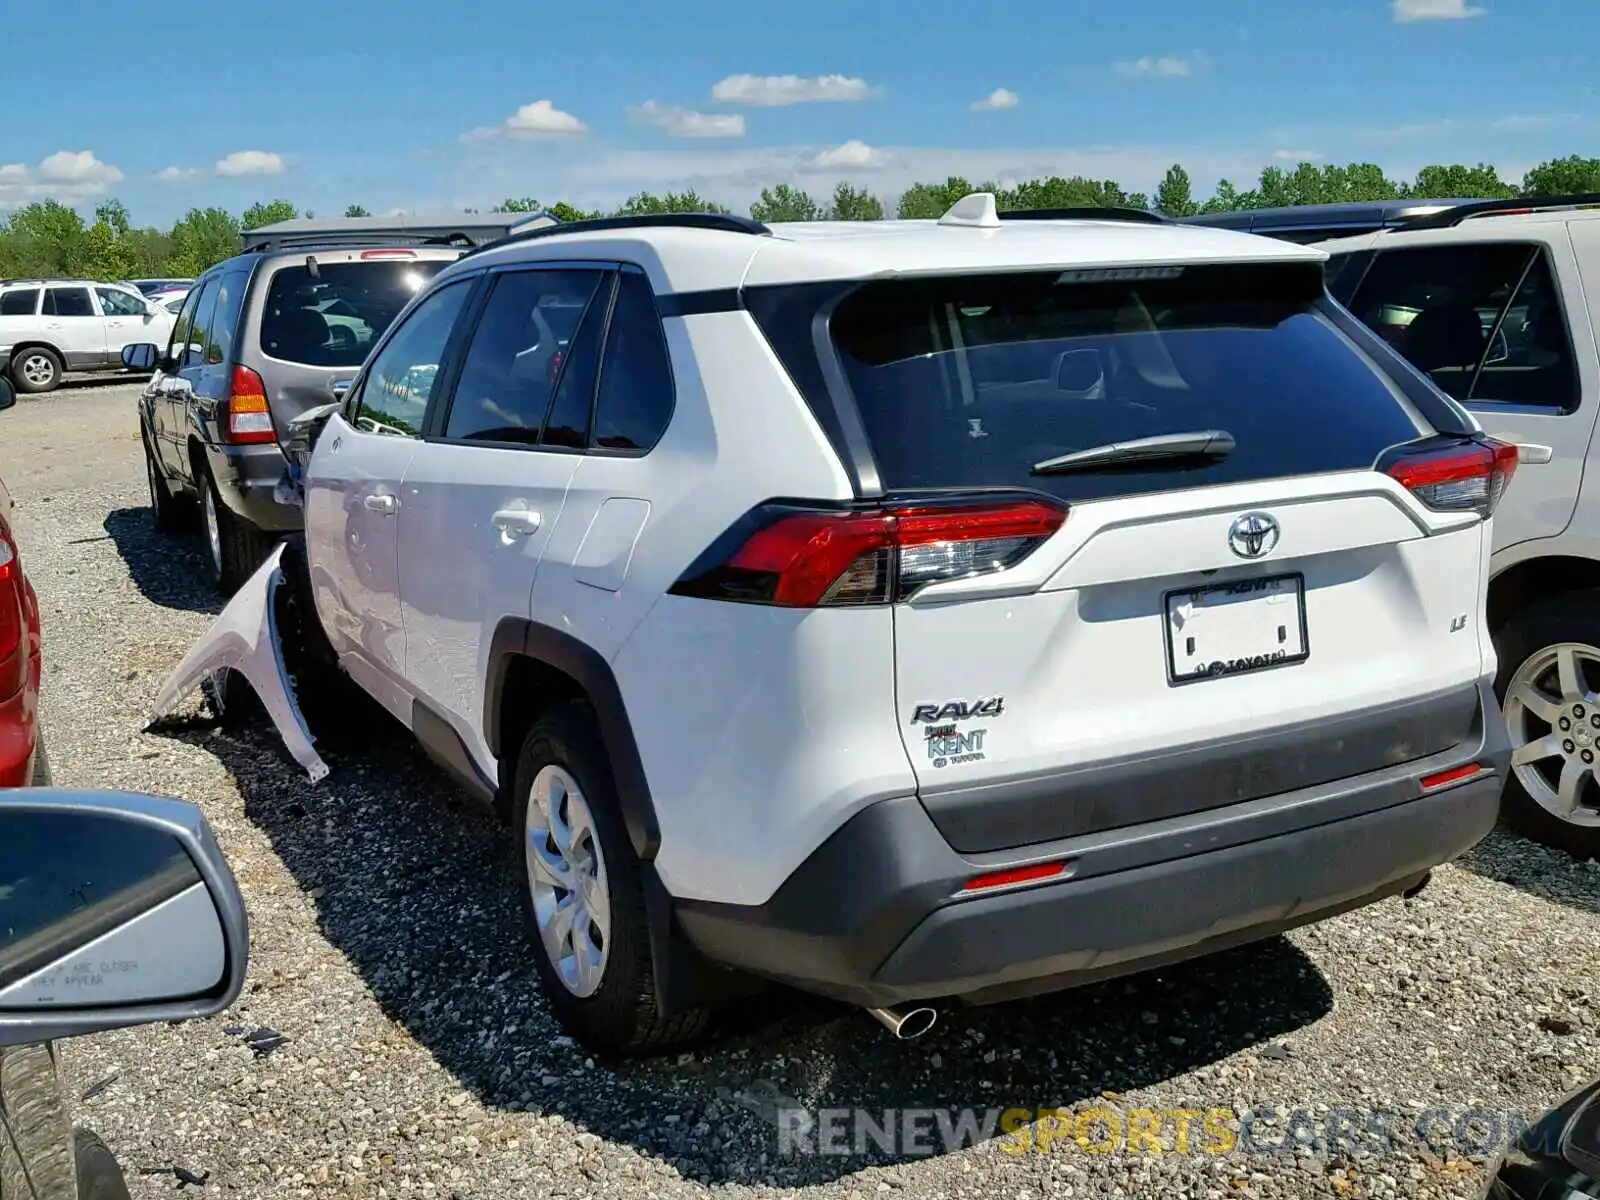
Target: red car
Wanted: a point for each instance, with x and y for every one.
(22, 758)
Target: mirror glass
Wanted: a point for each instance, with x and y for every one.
(140, 356)
(99, 910)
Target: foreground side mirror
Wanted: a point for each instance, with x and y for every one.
(8, 394)
(116, 909)
(141, 356)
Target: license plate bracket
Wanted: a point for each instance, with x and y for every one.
(1238, 627)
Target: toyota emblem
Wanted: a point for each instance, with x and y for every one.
(1253, 535)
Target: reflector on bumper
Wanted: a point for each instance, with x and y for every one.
(245, 638)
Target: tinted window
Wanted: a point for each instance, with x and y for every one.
(1343, 272)
(971, 381)
(203, 313)
(636, 392)
(394, 395)
(567, 423)
(333, 318)
(1482, 321)
(68, 302)
(115, 302)
(520, 348)
(23, 302)
(225, 318)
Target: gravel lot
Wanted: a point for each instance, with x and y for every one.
(420, 1059)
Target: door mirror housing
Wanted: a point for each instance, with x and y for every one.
(141, 356)
(120, 910)
(8, 394)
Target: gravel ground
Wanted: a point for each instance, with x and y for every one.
(420, 1059)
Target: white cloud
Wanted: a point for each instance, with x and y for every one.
(686, 123)
(780, 91)
(1434, 10)
(1298, 156)
(249, 162)
(1000, 98)
(541, 119)
(70, 176)
(175, 174)
(1168, 66)
(854, 155)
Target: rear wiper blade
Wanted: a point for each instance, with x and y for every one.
(1163, 447)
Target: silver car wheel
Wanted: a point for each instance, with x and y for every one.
(1552, 713)
(567, 878)
(208, 509)
(38, 370)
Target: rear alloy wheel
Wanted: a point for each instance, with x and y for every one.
(36, 370)
(234, 547)
(583, 894)
(1550, 693)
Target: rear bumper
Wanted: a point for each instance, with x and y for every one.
(247, 477)
(876, 914)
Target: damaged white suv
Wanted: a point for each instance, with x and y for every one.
(908, 610)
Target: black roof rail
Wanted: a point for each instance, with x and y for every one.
(1135, 216)
(722, 222)
(311, 242)
(1451, 217)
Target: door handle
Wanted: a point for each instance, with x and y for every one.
(381, 503)
(516, 522)
(1533, 454)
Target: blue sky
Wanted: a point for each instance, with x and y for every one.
(428, 106)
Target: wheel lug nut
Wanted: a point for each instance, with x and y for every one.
(1595, 720)
(1569, 746)
(1577, 711)
(1565, 724)
(1588, 756)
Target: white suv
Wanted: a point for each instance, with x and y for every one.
(908, 610)
(51, 326)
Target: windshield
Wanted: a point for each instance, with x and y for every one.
(969, 381)
(331, 319)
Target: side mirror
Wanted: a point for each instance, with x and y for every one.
(8, 394)
(1079, 372)
(140, 356)
(119, 909)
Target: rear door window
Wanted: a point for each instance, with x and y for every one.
(971, 381)
(1482, 320)
(333, 317)
(522, 346)
(636, 391)
(68, 302)
(395, 390)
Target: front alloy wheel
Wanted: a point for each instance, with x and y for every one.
(567, 878)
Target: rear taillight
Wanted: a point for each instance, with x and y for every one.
(248, 419)
(811, 557)
(11, 596)
(1457, 476)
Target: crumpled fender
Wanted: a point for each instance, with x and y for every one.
(246, 639)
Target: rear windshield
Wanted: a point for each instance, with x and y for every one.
(971, 381)
(331, 319)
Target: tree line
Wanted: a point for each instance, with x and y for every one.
(49, 238)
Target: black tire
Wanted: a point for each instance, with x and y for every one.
(43, 364)
(620, 1016)
(99, 1176)
(1573, 617)
(240, 547)
(168, 513)
(41, 764)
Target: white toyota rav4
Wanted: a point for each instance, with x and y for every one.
(905, 610)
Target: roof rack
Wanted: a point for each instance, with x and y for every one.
(721, 222)
(443, 229)
(1451, 217)
(1135, 216)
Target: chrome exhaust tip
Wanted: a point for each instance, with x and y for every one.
(908, 1025)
